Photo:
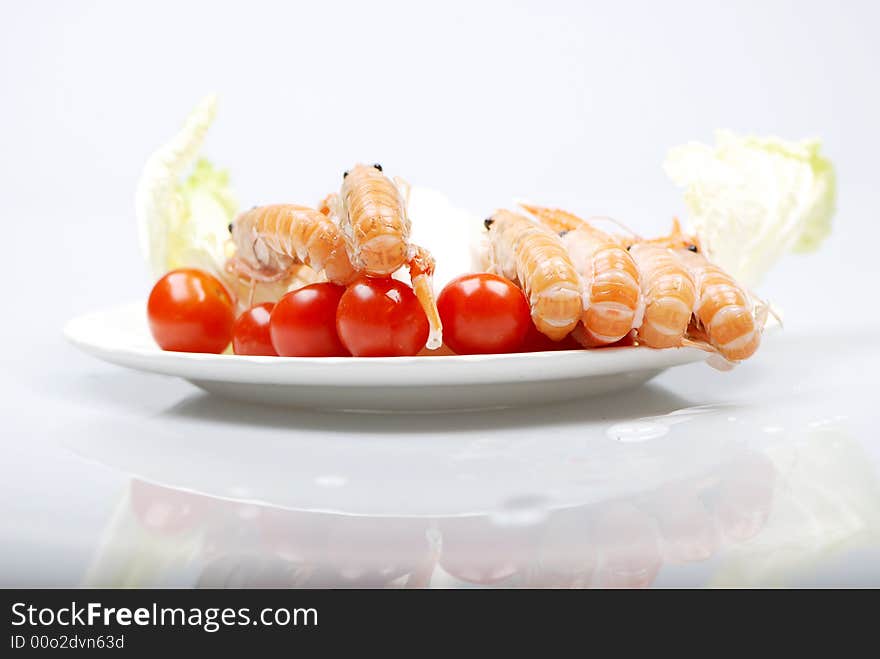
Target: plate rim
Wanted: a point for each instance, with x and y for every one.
(119, 335)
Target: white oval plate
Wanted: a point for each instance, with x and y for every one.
(121, 336)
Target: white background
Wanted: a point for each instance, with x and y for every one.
(572, 103)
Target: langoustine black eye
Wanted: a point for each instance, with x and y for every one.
(488, 222)
(693, 248)
(230, 227)
(344, 174)
(378, 166)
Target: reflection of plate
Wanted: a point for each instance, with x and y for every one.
(510, 463)
(121, 336)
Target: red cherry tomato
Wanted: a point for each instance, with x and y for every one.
(250, 333)
(303, 322)
(381, 318)
(537, 342)
(627, 341)
(190, 311)
(483, 313)
(167, 511)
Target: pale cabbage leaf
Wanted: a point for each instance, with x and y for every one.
(750, 200)
(183, 222)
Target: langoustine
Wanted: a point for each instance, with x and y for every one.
(363, 230)
(725, 315)
(270, 240)
(372, 214)
(534, 257)
(668, 292)
(612, 299)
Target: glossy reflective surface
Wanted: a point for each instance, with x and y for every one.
(764, 476)
(786, 493)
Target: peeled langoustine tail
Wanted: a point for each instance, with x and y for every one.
(669, 295)
(726, 318)
(533, 256)
(612, 300)
(724, 310)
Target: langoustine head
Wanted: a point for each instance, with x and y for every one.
(252, 253)
(678, 241)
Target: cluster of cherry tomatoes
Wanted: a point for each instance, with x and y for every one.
(191, 311)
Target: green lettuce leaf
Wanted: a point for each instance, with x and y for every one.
(750, 200)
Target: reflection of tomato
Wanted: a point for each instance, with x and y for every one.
(381, 318)
(303, 323)
(483, 313)
(190, 311)
(164, 510)
(250, 333)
